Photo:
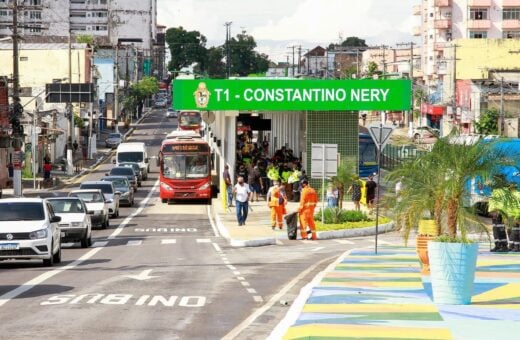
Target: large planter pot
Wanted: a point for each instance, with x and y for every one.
(452, 267)
(422, 252)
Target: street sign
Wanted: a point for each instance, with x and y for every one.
(17, 160)
(291, 95)
(324, 155)
(380, 134)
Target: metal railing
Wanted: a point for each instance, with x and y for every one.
(395, 155)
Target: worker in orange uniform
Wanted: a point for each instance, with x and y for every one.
(308, 201)
(276, 200)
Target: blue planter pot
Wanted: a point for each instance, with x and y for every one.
(452, 271)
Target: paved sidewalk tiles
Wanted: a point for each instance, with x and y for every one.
(383, 296)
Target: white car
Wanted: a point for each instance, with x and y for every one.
(29, 229)
(171, 113)
(109, 191)
(96, 204)
(75, 222)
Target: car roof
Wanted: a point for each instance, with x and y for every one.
(85, 190)
(63, 198)
(94, 182)
(22, 200)
(114, 177)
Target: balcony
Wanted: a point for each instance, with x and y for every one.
(417, 31)
(442, 23)
(479, 3)
(417, 10)
(479, 24)
(511, 24)
(510, 3)
(442, 3)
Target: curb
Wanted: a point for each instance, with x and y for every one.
(358, 232)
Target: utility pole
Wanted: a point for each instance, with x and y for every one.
(70, 160)
(501, 125)
(17, 173)
(455, 80)
(299, 58)
(228, 52)
(410, 112)
(292, 65)
(91, 107)
(116, 88)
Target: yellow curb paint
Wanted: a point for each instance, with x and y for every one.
(374, 308)
(368, 331)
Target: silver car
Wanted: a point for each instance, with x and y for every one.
(96, 203)
(113, 140)
(110, 193)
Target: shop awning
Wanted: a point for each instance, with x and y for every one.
(434, 110)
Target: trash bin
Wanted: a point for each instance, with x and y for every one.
(292, 225)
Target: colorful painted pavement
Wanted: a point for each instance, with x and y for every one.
(383, 296)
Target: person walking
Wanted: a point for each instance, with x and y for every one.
(332, 196)
(371, 186)
(355, 190)
(276, 201)
(242, 195)
(308, 202)
(229, 186)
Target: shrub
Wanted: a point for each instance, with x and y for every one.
(337, 216)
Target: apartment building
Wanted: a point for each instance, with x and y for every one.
(109, 19)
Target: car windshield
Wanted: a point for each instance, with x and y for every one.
(190, 119)
(21, 211)
(122, 171)
(134, 166)
(118, 182)
(185, 166)
(135, 157)
(89, 197)
(114, 135)
(68, 206)
(105, 188)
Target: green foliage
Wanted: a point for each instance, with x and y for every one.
(79, 122)
(449, 239)
(186, 48)
(349, 42)
(488, 122)
(85, 39)
(372, 69)
(337, 216)
(244, 59)
(138, 92)
(216, 67)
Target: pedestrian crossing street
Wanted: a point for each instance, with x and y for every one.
(316, 245)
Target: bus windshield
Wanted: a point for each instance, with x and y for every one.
(367, 153)
(185, 166)
(190, 119)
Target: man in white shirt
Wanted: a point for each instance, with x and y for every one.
(242, 194)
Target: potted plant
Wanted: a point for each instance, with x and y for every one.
(452, 164)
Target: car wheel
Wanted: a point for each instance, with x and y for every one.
(106, 224)
(132, 203)
(57, 256)
(164, 200)
(50, 261)
(139, 184)
(85, 242)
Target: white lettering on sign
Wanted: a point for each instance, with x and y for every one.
(369, 95)
(166, 230)
(125, 299)
(295, 95)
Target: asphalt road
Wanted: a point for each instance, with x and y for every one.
(160, 272)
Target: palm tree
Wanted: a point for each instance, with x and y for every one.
(343, 179)
(438, 182)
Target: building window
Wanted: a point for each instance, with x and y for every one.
(35, 29)
(477, 34)
(511, 34)
(478, 14)
(78, 27)
(4, 13)
(99, 14)
(78, 14)
(101, 28)
(35, 2)
(512, 13)
(35, 15)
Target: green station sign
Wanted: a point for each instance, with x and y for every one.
(296, 95)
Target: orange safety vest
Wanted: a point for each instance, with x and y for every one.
(309, 199)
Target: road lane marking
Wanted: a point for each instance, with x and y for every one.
(241, 278)
(344, 242)
(142, 205)
(318, 248)
(236, 272)
(235, 332)
(211, 222)
(217, 247)
(231, 267)
(142, 276)
(134, 243)
(258, 298)
(99, 244)
(127, 299)
(47, 275)
(251, 290)
(169, 241)
(245, 283)
(379, 241)
(203, 240)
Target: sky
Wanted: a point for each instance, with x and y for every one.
(278, 24)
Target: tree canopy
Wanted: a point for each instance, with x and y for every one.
(349, 42)
(189, 48)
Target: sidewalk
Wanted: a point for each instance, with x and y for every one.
(258, 230)
(383, 296)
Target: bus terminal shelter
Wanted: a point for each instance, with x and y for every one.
(290, 112)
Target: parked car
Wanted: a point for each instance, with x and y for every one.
(110, 193)
(171, 113)
(160, 103)
(137, 170)
(127, 172)
(425, 133)
(113, 140)
(75, 222)
(122, 185)
(29, 229)
(95, 202)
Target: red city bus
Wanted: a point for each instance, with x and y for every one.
(190, 120)
(185, 169)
